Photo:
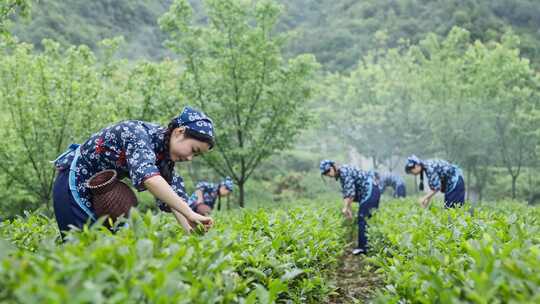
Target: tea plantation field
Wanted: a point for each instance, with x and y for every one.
(283, 255)
(491, 255)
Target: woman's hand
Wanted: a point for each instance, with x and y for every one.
(347, 212)
(347, 208)
(183, 221)
(196, 218)
(424, 202)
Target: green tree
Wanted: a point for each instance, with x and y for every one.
(378, 108)
(50, 99)
(453, 105)
(477, 98)
(236, 73)
(341, 32)
(518, 93)
(8, 8)
(472, 103)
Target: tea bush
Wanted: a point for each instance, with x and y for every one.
(281, 254)
(261, 256)
(491, 255)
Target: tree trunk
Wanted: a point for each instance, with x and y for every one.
(530, 185)
(241, 193)
(480, 191)
(480, 174)
(514, 180)
(468, 188)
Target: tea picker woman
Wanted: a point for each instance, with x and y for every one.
(358, 186)
(391, 180)
(203, 200)
(145, 153)
(442, 176)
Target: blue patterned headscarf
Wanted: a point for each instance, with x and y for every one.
(196, 121)
(412, 161)
(228, 183)
(326, 165)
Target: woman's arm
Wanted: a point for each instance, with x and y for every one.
(163, 191)
(434, 182)
(349, 192)
(347, 208)
(426, 199)
(182, 221)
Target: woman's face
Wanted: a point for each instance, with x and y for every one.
(223, 191)
(182, 148)
(416, 169)
(331, 173)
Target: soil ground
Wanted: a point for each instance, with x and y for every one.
(355, 278)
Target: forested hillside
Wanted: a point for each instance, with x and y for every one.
(337, 32)
(88, 22)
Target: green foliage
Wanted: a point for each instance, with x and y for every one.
(89, 22)
(29, 232)
(451, 256)
(62, 96)
(475, 104)
(153, 92)
(235, 73)
(50, 99)
(487, 92)
(8, 8)
(252, 256)
(340, 32)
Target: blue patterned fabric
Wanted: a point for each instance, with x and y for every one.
(439, 170)
(209, 191)
(228, 183)
(196, 121)
(326, 165)
(401, 191)
(412, 161)
(135, 149)
(390, 180)
(355, 183)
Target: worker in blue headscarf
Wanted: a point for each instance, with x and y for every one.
(145, 153)
(357, 186)
(391, 180)
(204, 198)
(442, 176)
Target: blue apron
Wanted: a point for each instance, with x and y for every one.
(73, 179)
(368, 196)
